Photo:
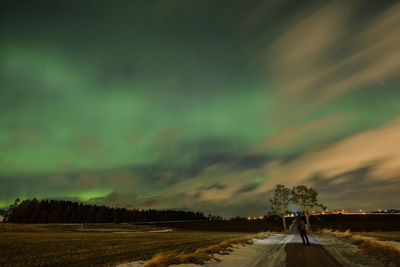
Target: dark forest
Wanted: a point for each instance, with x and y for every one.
(62, 211)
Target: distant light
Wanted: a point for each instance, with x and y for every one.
(248, 218)
(254, 218)
(261, 217)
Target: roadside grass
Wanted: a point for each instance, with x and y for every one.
(385, 253)
(199, 256)
(262, 235)
(32, 245)
(383, 236)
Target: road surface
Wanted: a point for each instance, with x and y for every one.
(298, 255)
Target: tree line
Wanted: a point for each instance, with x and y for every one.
(63, 211)
(305, 197)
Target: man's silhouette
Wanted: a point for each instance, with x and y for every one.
(301, 226)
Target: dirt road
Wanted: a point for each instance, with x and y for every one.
(298, 255)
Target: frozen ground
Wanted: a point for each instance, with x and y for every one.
(270, 252)
(345, 253)
(267, 252)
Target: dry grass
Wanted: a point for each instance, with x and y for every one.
(385, 253)
(12, 228)
(383, 236)
(31, 228)
(262, 235)
(199, 256)
(61, 245)
(127, 226)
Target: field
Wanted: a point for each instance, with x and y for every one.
(243, 226)
(359, 223)
(49, 245)
(87, 227)
(111, 244)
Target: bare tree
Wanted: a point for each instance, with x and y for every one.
(280, 202)
(306, 198)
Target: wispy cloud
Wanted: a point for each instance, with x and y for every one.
(368, 147)
(350, 167)
(325, 54)
(295, 134)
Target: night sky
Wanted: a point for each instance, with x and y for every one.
(202, 105)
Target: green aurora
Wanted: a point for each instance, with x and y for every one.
(166, 104)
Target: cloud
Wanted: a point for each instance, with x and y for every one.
(214, 186)
(293, 135)
(357, 189)
(247, 188)
(375, 145)
(343, 172)
(87, 180)
(325, 54)
(127, 199)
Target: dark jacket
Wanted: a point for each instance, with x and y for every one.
(301, 225)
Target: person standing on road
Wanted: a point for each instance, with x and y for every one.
(301, 226)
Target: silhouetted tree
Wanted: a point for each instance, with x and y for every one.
(306, 198)
(279, 202)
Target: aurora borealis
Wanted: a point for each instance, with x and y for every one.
(201, 105)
